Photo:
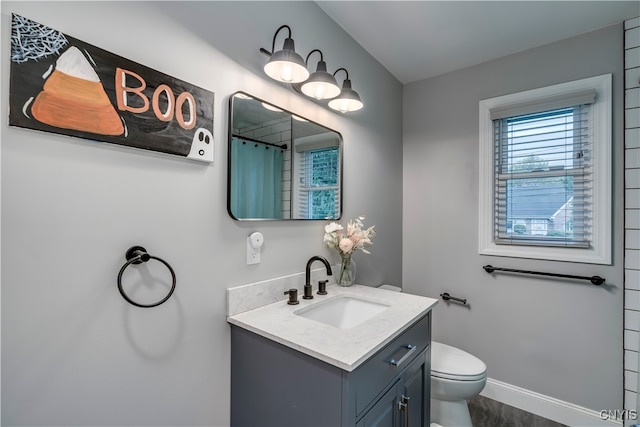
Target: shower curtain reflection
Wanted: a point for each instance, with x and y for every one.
(256, 180)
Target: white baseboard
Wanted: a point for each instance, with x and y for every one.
(545, 406)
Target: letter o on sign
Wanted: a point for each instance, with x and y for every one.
(191, 102)
(167, 115)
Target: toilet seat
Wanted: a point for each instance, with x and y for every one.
(451, 363)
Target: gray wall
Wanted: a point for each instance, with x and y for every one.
(559, 338)
(73, 351)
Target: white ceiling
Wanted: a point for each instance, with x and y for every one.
(419, 39)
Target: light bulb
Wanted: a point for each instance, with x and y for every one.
(318, 93)
(286, 75)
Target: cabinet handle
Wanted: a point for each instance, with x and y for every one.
(403, 406)
(408, 354)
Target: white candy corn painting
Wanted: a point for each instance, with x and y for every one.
(63, 85)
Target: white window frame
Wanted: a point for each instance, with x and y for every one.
(600, 250)
(309, 143)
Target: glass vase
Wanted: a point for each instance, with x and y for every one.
(347, 274)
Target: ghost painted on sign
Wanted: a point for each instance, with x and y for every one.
(63, 85)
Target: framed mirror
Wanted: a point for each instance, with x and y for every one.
(281, 166)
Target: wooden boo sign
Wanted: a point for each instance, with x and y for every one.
(63, 85)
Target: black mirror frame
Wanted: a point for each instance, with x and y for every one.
(229, 142)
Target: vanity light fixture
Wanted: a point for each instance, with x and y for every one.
(288, 67)
(285, 65)
(348, 100)
(320, 84)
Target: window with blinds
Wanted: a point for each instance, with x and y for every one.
(543, 177)
(545, 173)
(318, 189)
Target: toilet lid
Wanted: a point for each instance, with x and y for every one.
(453, 363)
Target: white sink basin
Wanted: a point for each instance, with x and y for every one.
(343, 311)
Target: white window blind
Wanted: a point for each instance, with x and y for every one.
(543, 172)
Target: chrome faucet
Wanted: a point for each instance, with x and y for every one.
(308, 293)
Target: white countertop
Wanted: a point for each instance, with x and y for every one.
(344, 348)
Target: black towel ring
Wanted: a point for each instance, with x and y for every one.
(138, 255)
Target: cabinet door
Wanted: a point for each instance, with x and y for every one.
(407, 403)
(384, 413)
(415, 392)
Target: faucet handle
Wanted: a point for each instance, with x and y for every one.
(322, 287)
(293, 296)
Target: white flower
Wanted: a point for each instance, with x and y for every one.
(354, 239)
(332, 227)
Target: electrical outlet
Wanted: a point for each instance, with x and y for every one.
(254, 243)
(253, 254)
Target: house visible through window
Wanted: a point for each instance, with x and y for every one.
(545, 173)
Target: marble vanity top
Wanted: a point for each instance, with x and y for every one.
(344, 348)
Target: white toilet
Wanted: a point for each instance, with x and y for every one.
(456, 376)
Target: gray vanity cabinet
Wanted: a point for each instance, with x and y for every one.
(274, 385)
(385, 413)
(406, 404)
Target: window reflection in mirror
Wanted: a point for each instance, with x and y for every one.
(281, 166)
